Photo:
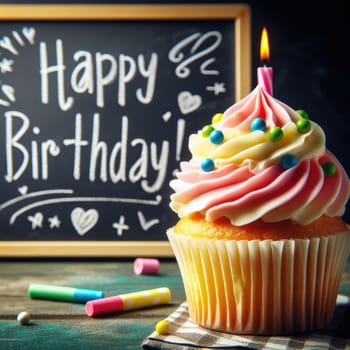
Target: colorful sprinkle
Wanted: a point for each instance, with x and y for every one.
(276, 133)
(258, 124)
(216, 137)
(302, 113)
(163, 327)
(216, 118)
(303, 125)
(206, 131)
(329, 168)
(207, 164)
(288, 161)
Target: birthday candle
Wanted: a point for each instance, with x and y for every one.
(265, 73)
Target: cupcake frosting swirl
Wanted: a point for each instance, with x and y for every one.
(261, 160)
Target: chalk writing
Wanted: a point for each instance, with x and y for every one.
(23, 190)
(88, 75)
(146, 224)
(117, 155)
(110, 167)
(197, 40)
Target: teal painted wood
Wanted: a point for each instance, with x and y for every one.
(49, 334)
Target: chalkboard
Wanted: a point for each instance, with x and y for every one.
(97, 103)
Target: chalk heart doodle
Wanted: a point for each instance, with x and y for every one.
(29, 33)
(83, 221)
(188, 102)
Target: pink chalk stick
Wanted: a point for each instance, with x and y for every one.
(145, 266)
(104, 306)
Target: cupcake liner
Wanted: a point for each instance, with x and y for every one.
(261, 286)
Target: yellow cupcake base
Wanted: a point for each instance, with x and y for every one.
(261, 286)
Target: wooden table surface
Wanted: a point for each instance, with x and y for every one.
(64, 325)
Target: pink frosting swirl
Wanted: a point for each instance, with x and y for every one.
(248, 182)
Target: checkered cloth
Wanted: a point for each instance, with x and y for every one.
(185, 335)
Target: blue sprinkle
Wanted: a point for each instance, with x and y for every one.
(207, 164)
(288, 161)
(258, 124)
(216, 137)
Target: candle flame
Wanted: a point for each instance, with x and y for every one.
(264, 46)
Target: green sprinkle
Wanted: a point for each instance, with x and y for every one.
(303, 113)
(329, 168)
(276, 133)
(206, 131)
(303, 125)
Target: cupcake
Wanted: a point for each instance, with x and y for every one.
(260, 241)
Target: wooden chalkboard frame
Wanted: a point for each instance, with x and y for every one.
(238, 13)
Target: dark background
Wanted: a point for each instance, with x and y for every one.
(309, 44)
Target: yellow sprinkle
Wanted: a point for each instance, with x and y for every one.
(163, 327)
(216, 118)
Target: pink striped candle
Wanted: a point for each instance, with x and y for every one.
(265, 78)
(265, 73)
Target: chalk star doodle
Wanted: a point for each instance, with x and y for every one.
(6, 65)
(146, 225)
(217, 88)
(120, 226)
(54, 221)
(36, 220)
